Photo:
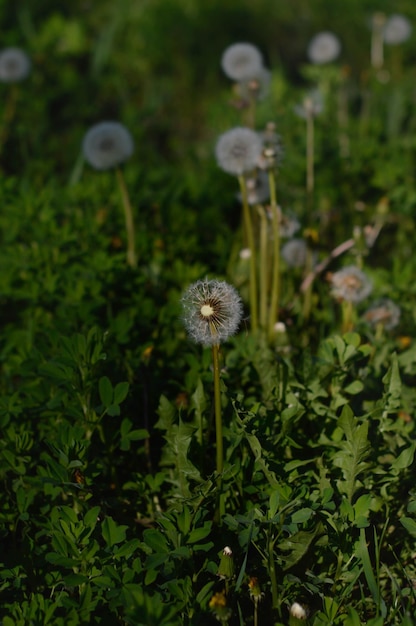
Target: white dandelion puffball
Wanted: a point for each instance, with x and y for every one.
(242, 62)
(312, 105)
(397, 30)
(323, 48)
(238, 150)
(384, 312)
(107, 144)
(297, 610)
(258, 86)
(212, 311)
(350, 284)
(14, 65)
(295, 252)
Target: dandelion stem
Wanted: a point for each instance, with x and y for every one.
(218, 427)
(310, 139)
(272, 572)
(8, 115)
(128, 215)
(263, 269)
(248, 226)
(275, 292)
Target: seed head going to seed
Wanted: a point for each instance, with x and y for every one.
(212, 311)
(242, 62)
(384, 312)
(295, 252)
(350, 284)
(238, 150)
(397, 30)
(323, 48)
(258, 189)
(107, 144)
(14, 65)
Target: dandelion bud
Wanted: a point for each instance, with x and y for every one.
(107, 144)
(226, 566)
(212, 311)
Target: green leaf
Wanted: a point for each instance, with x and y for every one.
(409, 524)
(120, 392)
(156, 540)
(105, 389)
(112, 534)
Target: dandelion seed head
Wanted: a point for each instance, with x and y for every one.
(107, 144)
(384, 312)
(323, 48)
(297, 610)
(397, 30)
(311, 106)
(212, 311)
(258, 189)
(295, 252)
(242, 62)
(350, 284)
(289, 225)
(14, 65)
(258, 86)
(238, 150)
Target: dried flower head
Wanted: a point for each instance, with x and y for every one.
(383, 312)
(212, 311)
(254, 589)
(14, 65)
(323, 48)
(295, 252)
(238, 150)
(107, 144)
(242, 62)
(350, 284)
(298, 611)
(397, 30)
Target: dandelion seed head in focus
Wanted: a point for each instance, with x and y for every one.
(350, 284)
(107, 144)
(212, 311)
(397, 30)
(14, 65)
(242, 62)
(323, 48)
(238, 150)
(383, 312)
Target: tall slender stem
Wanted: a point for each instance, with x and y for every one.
(310, 140)
(263, 267)
(248, 226)
(128, 215)
(275, 292)
(218, 431)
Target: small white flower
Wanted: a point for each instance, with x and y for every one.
(397, 30)
(227, 551)
(279, 328)
(14, 65)
(323, 48)
(245, 254)
(242, 62)
(238, 150)
(350, 284)
(107, 144)
(297, 610)
(212, 311)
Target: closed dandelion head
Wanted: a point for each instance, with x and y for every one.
(384, 313)
(238, 150)
(212, 311)
(107, 144)
(254, 589)
(295, 252)
(350, 284)
(397, 30)
(242, 62)
(14, 65)
(323, 48)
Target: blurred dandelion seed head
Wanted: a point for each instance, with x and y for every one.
(212, 311)
(238, 150)
(14, 65)
(257, 87)
(323, 48)
(289, 225)
(397, 30)
(383, 312)
(295, 252)
(311, 106)
(107, 144)
(258, 189)
(350, 284)
(242, 62)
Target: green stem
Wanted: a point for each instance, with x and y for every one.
(218, 428)
(275, 292)
(307, 296)
(263, 267)
(248, 227)
(310, 140)
(8, 114)
(128, 215)
(272, 572)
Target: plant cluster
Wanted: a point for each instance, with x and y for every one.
(207, 398)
